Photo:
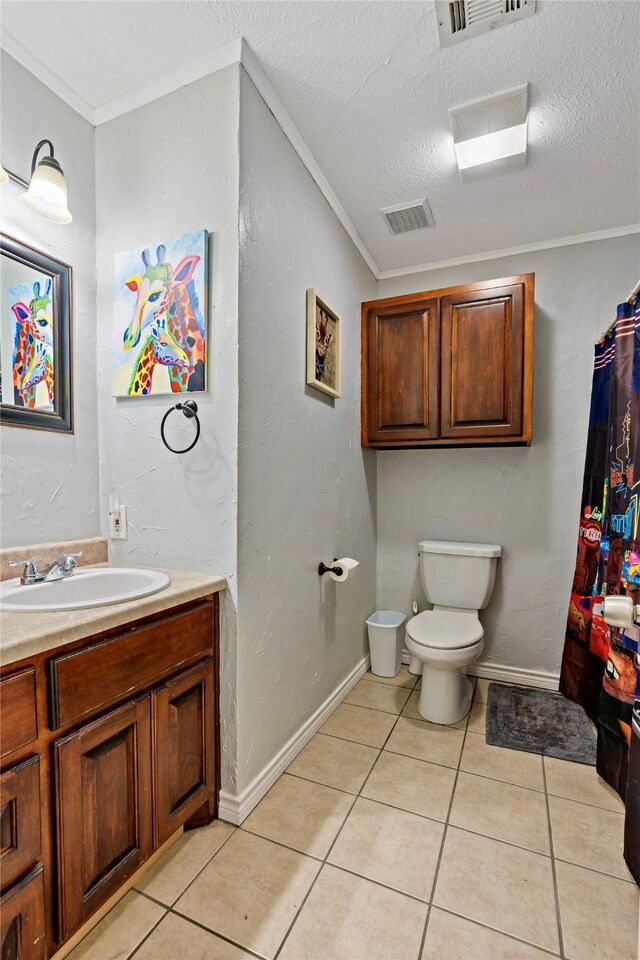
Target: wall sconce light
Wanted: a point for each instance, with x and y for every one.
(490, 135)
(46, 193)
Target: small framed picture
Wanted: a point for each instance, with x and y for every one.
(323, 346)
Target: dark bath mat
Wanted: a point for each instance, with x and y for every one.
(539, 721)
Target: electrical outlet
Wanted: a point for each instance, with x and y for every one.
(118, 523)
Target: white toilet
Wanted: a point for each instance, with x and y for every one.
(458, 580)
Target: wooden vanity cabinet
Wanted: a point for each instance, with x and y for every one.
(449, 367)
(125, 753)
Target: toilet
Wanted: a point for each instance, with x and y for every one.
(458, 580)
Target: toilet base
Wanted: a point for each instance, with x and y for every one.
(445, 696)
(415, 667)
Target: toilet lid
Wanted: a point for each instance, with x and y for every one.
(445, 631)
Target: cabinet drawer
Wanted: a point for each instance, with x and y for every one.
(18, 703)
(23, 923)
(110, 670)
(19, 819)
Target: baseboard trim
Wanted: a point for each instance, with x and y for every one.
(235, 808)
(507, 674)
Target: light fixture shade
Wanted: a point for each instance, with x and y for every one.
(47, 193)
(4, 176)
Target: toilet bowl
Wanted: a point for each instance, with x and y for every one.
(445, 644)
(458, 579)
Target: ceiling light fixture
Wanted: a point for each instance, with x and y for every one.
(4, 176)
(47, 193)
(490, 135)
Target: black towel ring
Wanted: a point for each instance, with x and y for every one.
(190, 410)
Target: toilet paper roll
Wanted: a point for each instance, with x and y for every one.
(347, 565)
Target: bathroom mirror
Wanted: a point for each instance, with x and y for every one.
(35, 338)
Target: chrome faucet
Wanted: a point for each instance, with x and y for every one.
(60, 569)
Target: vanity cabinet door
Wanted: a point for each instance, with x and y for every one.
(103, 809)
(183, 748)
(400, 366)
(22, 935)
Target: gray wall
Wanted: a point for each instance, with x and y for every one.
(526, 499)
(169, 168)
(306, 488)
(50, 480)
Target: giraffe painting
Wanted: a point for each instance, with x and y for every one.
(158, 348)
(33, 361)
(165, 290)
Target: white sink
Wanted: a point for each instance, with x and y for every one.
(87, 587)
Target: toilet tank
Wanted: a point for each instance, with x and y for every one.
(459, 575)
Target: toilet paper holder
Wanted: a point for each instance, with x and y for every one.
(323, 568)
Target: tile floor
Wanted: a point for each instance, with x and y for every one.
(389, 837)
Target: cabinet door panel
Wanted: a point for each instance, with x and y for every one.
(103, 808)
(22, 935)
(184, 750)
(19, 818)
(403, 372)
(482, 363)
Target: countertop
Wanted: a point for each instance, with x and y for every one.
(24, 635)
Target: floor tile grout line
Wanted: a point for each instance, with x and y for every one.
(485, 926)
(215, 933)
(147, 935)
(333, 843)
(167, 909)
(600, 873)
(209, 859)
(585, 803)
(414, 813)
(444, 837)
(148, 896)
(556, 891)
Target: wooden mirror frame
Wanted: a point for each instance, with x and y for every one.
(61, 417)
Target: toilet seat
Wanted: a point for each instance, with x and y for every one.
(441, 630)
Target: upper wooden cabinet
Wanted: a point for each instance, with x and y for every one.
(449, 367)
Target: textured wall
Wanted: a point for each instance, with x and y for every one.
(526, 499)
(306, 488)
(165, 169)
(50, 480)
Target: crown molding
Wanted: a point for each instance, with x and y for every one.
(238, 51)
(610, 234)
(293, 135)
(218, 59)
(50, 79)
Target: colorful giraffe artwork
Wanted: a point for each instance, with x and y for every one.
(30, 304)
(160, 337)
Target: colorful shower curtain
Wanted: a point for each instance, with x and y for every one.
(601, 665)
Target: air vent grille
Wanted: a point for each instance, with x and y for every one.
(409, 216)
(461, 19)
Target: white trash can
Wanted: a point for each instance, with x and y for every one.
(386, 639)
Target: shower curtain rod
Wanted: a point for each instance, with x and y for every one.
(632, 299)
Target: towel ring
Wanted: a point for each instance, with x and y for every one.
(190, 410)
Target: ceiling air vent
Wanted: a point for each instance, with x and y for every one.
(461, 19)
(409, 216)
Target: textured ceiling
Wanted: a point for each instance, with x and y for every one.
(368, 88)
